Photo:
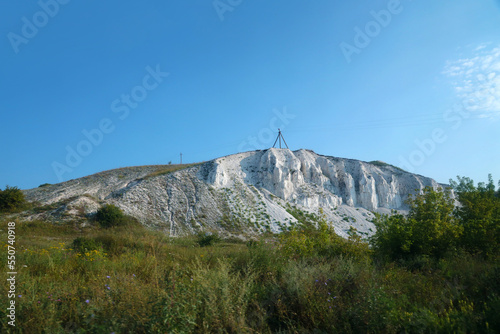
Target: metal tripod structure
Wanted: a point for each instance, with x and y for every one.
(279, 138)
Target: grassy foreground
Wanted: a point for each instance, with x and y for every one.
(131, 280)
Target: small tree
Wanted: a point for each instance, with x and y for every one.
(479, 215)
(11, 199)
(429, 228)
(434, 228)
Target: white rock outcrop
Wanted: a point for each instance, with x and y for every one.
(246, 192)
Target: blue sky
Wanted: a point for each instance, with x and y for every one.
(91, 86)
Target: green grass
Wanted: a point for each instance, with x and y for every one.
(167, 169)
(140, 281)
(379, 163)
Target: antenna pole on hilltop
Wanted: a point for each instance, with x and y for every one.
(181, 158)
(280, 136)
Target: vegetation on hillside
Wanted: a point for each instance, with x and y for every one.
(11, 199)
(167, 169)
(434, 270)
(111, 216)
(379, 163)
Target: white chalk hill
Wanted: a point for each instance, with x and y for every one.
(244, 193)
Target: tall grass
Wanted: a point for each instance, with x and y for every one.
(133, 280)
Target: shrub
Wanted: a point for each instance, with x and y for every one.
(207, 239)
(393, 236)
(110, 215)
(11, 199)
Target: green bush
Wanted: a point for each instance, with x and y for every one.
(110, 215)
(207, 239)
(11, 199)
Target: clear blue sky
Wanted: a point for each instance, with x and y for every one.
(412, 83)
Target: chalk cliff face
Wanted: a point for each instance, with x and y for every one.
(243, 193)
